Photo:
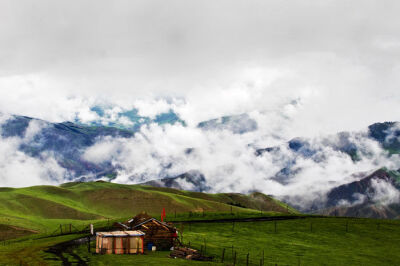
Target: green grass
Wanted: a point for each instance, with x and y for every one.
(308, 241)
(30, 250)
(199, 216)
(44, 208)
(11, 232)
(150, 258)
(326, 243)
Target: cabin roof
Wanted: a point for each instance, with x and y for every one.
(139, 218)
(121, 233)
(150, 220)
(123, 225)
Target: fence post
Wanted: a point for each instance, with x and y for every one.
(247, 259)
(181, 232)
(223, 255)
(234, 259)
(263, 258)
(88, 246)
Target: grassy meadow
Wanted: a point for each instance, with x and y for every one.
(32, 219)
(307, 241)
(43, 208)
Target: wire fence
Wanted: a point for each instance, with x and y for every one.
(238, 255)
(235, 254)
(61, 230)
(232, 214)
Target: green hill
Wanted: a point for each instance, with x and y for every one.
(44, 208)
(32, 214)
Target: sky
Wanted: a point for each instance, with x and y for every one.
(298, 68)
(338, 59)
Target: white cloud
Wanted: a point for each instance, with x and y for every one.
(20, 170)
(229, 164)
(103, 151)
(384, 193)
(359, 199)
(207, 60)
(34, 127)
(392, 133)
(296, 69)
(151, 108)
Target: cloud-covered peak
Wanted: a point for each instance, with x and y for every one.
(250, 93)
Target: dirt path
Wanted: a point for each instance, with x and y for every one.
(23, 229)
(65, 250)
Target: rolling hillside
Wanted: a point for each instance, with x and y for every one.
(57, 151)
(44, 208)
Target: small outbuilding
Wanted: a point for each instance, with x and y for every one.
(120, 242)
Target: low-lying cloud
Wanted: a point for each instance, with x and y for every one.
(295, 69)
(384, 193)
(18, 169)
(230, 164)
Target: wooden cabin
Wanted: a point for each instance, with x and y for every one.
(120, 242)
(159, 234)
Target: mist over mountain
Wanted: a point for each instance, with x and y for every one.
(219, 156)
(65, 142)
(235, 97)
(375, 195)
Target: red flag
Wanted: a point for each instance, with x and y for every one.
(163, 215)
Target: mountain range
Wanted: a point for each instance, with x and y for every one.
(375, 195)
(363, 196)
